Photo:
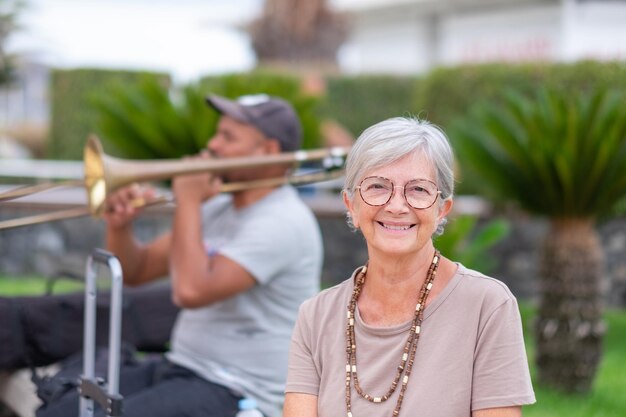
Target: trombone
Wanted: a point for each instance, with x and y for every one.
(103, 174)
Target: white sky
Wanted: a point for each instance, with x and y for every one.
(187, 38)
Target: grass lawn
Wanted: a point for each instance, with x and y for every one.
(34, 285)
(608, 398)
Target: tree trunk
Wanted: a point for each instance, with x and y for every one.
(300, 34)
(569, 328)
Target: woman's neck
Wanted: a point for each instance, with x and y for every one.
(400, 269)
(392, 287)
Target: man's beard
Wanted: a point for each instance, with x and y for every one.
(239, 176)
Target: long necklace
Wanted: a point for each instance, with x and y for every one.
(408, 354)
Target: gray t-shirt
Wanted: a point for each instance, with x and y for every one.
(243, 342)
(470, 353)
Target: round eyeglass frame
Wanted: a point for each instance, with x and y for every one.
(393, 190)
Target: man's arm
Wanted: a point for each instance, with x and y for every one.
(140, 263)
(300, 405)
(197, 278)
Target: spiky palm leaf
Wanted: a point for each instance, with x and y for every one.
(561, 155)
(145, 123)
(468, 242)
(9, 12)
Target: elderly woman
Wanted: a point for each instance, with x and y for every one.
(411, 333)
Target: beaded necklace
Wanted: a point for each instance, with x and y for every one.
(408, 355)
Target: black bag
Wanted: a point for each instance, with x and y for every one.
(51, 388)
(38, 331)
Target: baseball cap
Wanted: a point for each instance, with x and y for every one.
(271, 115)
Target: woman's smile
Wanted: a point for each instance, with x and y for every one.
(396, 227)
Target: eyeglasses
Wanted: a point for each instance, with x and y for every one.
(419, 194)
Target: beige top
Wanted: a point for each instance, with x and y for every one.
(470, 353)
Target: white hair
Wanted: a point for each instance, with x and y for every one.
(391, 140)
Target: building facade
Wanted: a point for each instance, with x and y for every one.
(414, 36)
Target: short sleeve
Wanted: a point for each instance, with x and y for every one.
(501, 377)
(302, 375)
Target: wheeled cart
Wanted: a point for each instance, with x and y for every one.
(95, 390)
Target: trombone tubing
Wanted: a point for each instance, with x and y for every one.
(104, 174)
(37, 188)
(226, 188)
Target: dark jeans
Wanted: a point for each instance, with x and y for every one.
(157, 388)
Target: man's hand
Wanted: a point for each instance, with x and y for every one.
(122, 206)
(196, 188)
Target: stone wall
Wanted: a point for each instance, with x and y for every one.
(518, 257)
(63, 246)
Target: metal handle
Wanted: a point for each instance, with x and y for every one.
(91, 390)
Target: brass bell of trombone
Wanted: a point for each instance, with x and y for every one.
(104, 174)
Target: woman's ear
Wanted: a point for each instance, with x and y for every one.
(351, 209)
(445, 209)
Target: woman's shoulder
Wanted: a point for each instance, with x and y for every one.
(477, 284)
(330, 298)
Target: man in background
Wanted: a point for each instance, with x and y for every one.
(240, 266)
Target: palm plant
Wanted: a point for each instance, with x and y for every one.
(151, 121)
(468, 242)
(146, 123)
(563, 156)
(9, 11)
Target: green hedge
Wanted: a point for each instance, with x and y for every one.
(73, 112)
(355, 101)
(358, 102)
(447, 93)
